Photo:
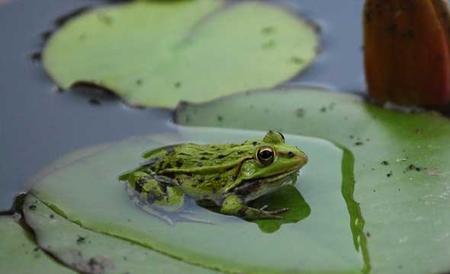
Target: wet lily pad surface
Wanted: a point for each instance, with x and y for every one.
(91, 252)
(402, 165)
(156, 53)
(320, 227)
(19, 254)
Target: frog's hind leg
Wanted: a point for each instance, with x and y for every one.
(153, 195)
(143, 205)
(159, 196)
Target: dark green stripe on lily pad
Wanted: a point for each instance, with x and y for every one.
(402, 165)
(91, 252)
(20, 254)
(319, 227)
(156, 53)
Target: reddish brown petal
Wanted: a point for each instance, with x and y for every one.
(407, 56)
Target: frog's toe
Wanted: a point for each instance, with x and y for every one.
(272, 214)
(278, 211)
(264, 207)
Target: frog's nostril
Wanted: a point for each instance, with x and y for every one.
(291, 154)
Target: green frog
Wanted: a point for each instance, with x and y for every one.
(228, 175)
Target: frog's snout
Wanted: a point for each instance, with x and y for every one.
(301, 158)
(304, 159)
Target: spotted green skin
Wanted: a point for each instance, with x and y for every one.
(229, 175)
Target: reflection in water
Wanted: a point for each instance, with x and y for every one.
(286, 197)
(356, 220)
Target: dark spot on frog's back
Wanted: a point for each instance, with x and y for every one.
(179, 163)
(169, 150)
(220, 156)
(150, 162)
(139, 185)
(254, 143)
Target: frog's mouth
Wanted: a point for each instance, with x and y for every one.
(254, 186)
(276, 177)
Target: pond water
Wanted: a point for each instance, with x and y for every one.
(38, 124)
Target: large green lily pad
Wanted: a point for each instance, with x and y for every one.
(402, 165)
(20, 255)
(323, 225)
(91, 252)
(156, 53)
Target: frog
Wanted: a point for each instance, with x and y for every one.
(228, 176)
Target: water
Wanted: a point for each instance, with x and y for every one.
(38, 124)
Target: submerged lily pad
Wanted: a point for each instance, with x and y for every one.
(321, 227)
(19, 254)
(402, 165)
(156, 53)
(91, 252)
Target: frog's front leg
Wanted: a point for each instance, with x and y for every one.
(234, 205)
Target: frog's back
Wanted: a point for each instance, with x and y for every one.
(192, 156)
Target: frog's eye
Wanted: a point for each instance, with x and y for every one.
(265, 155)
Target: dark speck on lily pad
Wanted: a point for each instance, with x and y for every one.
(300, 112)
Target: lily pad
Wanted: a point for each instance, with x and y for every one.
(402, 165)
(322, 227)
(19, 254)
(91, 252)
(156, 53)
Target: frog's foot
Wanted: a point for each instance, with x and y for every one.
(274, 213)
(234, 205)
(250, 213)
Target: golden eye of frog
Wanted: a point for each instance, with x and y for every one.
(229, 175)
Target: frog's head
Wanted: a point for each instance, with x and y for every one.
(272, 163)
